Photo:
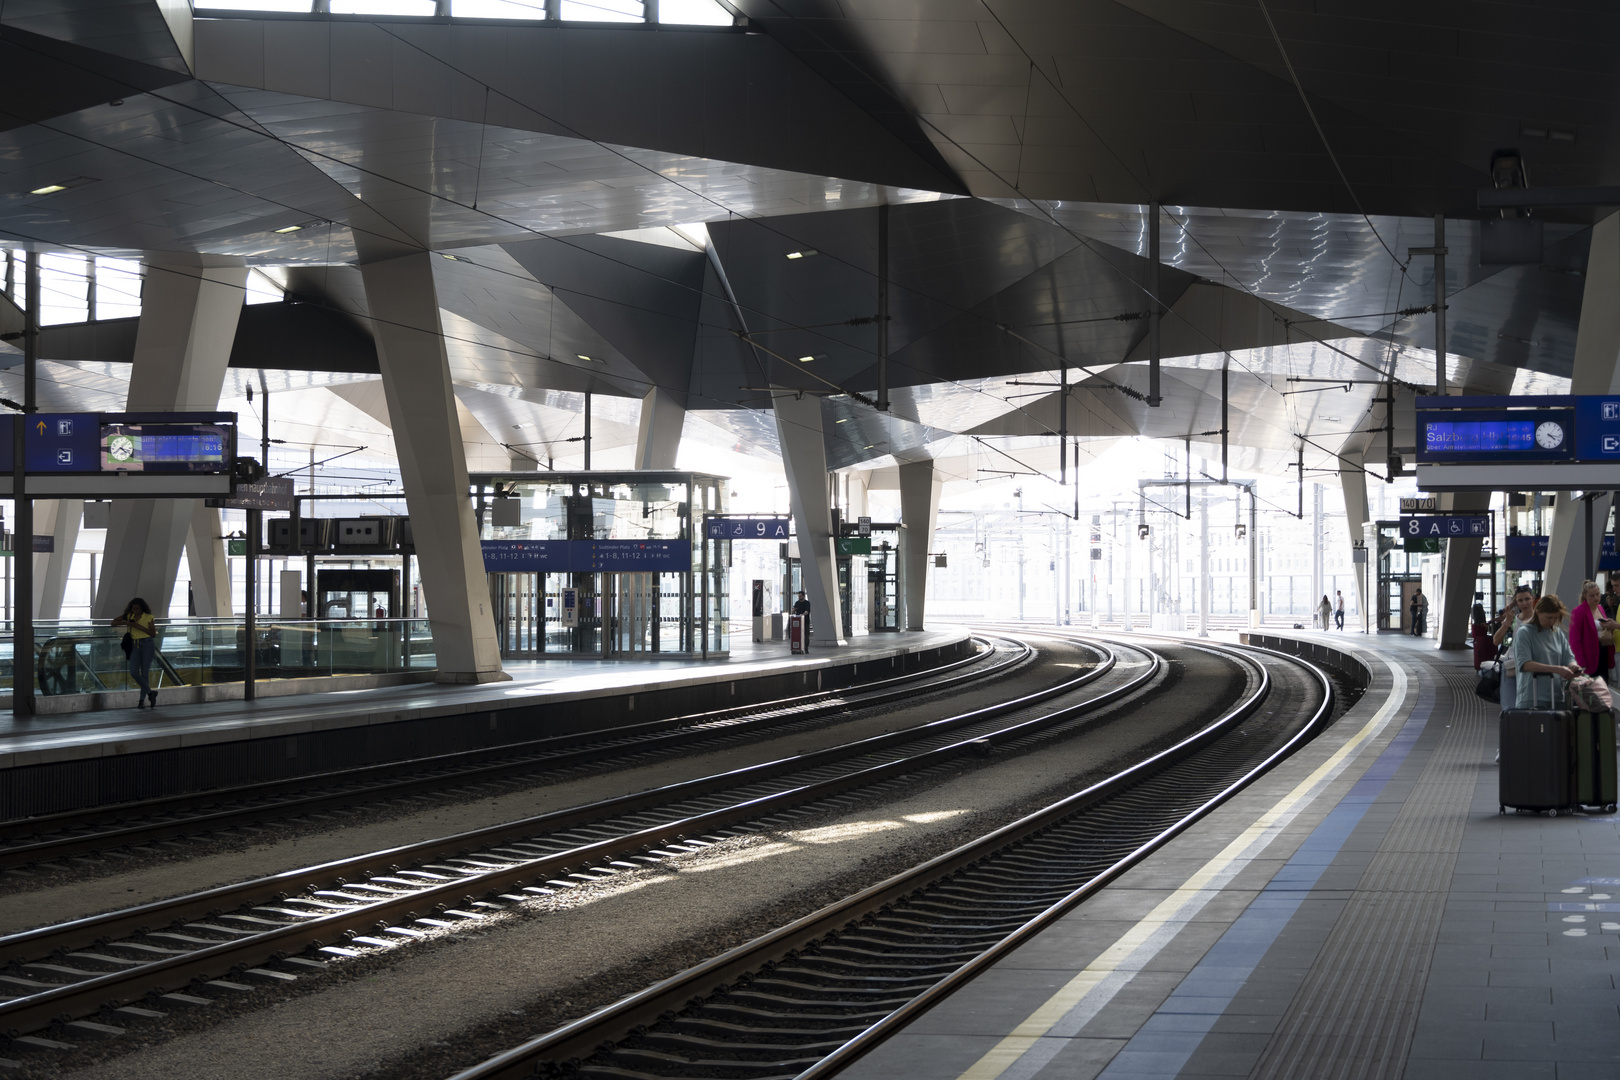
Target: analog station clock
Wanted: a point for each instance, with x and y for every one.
(1549, 435)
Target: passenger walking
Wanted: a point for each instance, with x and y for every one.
(1338, 608)
(137, 620)
(1541, 648)
(1324, 611)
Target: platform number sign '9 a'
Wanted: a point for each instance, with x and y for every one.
(740, 528)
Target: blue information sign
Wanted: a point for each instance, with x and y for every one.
(55, 442)
(1529, 553)
(634, 556)
(526, 556)
(1446, 525)
(748, 528)
(587, 556)
(1597, 428)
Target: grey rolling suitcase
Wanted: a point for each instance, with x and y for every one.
(1538, 760)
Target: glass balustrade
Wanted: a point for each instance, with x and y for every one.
(85, 658)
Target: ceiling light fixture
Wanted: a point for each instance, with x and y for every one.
(290, 228)
(805, 254)
(52, 189)
(845, 420)
(590, 359)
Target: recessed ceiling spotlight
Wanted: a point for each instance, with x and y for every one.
(805, 254)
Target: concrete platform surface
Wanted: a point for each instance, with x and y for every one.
(46, 739)
(1367, 913)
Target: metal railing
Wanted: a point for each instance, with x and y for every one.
(76, 657)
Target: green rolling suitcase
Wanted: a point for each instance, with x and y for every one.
(1595, 782)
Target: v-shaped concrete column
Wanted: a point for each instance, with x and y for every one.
(1596, 371)
(804, 458)
(659, 438)
(919, 510)
(182, 348)
(59, 519)
(422, 413)
(205, 554)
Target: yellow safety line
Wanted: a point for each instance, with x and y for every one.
(1002, 1056)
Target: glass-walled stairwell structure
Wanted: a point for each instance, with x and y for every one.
(605, 565)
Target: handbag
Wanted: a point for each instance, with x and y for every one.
(128, 644)
(1590, 694)
(1489, 684)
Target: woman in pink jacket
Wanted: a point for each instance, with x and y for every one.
(1586, 621)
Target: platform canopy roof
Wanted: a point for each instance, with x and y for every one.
(627, 205)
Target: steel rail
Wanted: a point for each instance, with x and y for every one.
(635, 1012)
(47, 1004)
(371, 783)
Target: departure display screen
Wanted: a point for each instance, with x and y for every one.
(1517, 435)
(1480, 436)
(165, 447)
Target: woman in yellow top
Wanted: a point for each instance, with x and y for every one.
(137, 619)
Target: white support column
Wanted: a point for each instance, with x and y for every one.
(422, 412)
(210, 573)
(804, 458)
(1596, 371)
(182, 347)
(1205, 593)
(919, 511)
(59, 519)
(1353, 482)
(659, 437)
(1317, 588)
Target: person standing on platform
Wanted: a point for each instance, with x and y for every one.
(1513, 619)
(1420, 612)
(1338, 608)
(1589, 624)
(1541, 648)
(1480, 633)
(1324, 611)
(1611, 599)
(137, 620)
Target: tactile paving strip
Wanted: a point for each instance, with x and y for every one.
(1355, 1014)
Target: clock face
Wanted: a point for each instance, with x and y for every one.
(1550, 435)
(121, 448)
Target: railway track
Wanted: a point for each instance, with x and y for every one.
(45, 839)
(223, 940)
(807, 999)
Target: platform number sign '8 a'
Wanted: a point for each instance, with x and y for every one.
(1442, 526)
